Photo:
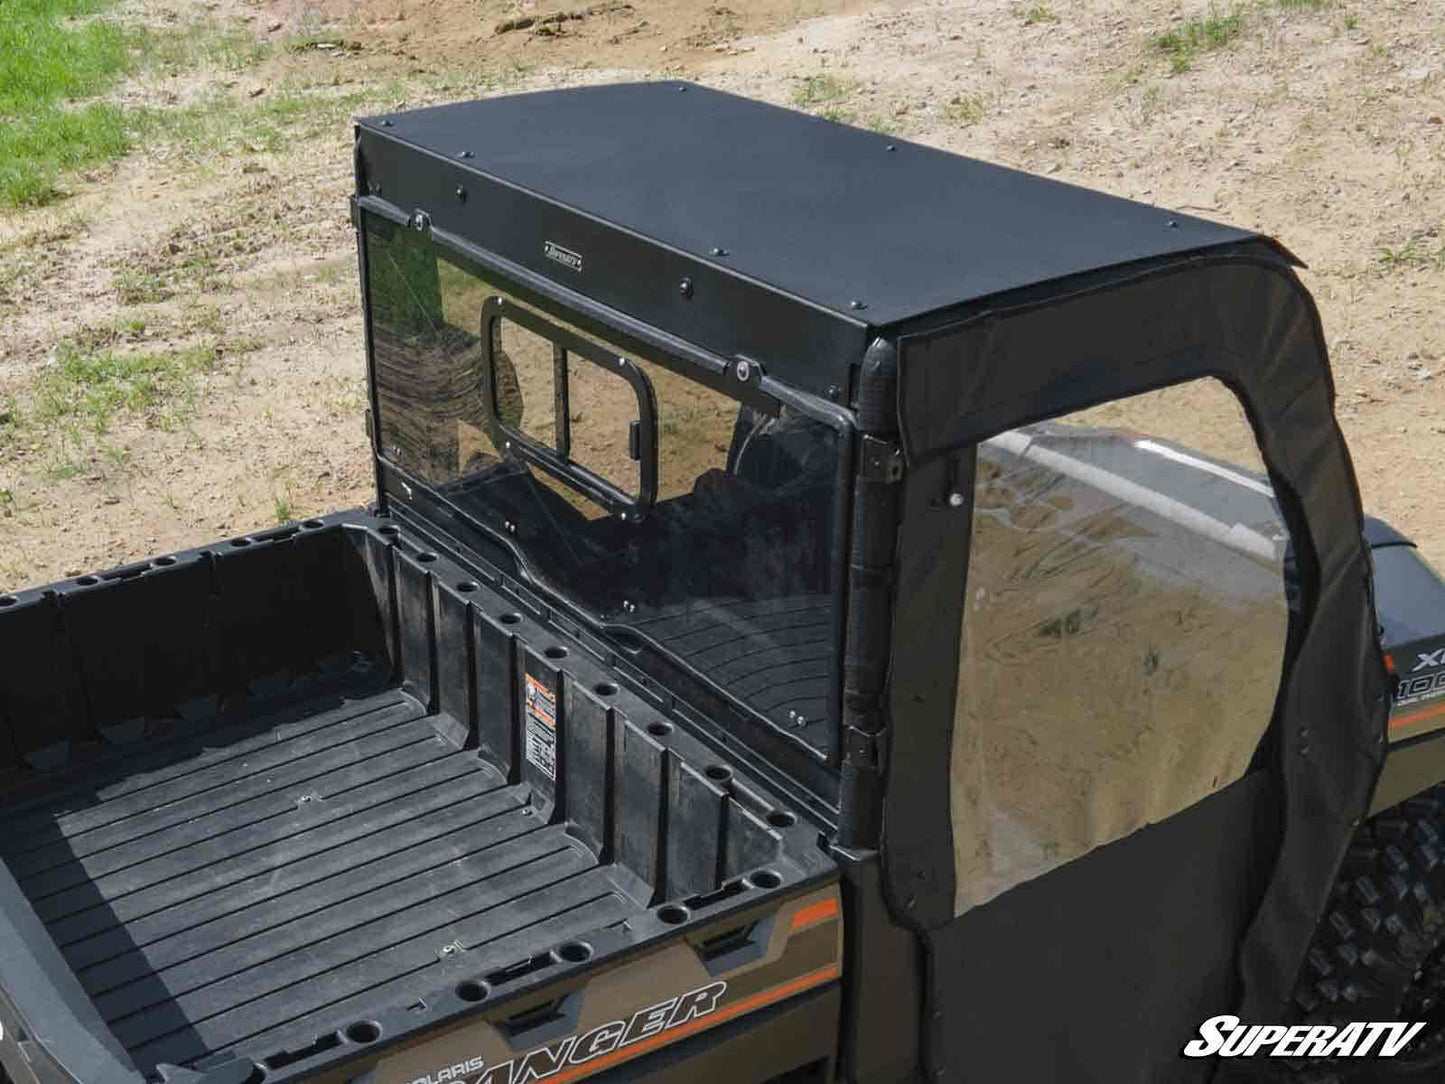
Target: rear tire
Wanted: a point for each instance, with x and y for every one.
(1379, 952)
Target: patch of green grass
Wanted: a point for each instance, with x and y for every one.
(820, 90)
(1035, 14)
(37, 147)
(243, 344)
(115, 456)
(91, 388)
(136, 287)
(174, 51)
(838, 115)
(1304, 5)
(197, 316)
(45, 60)
(57, 56)
(236, 50)
(1414, 253)
(1184, 43)
(63, 467)
(965, 110)
(49, 60)
(284, 507)
(1352, 21)
(223, 125)
(313, 29)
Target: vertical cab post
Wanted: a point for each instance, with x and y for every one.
(870, 589)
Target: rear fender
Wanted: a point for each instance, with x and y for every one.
(1410, 606)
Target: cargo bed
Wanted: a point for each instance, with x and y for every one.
(327, 801)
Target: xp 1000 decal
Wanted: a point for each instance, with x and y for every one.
(1418, 673)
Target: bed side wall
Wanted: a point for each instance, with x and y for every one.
(184, 639)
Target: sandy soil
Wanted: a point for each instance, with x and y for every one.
(1319, 126)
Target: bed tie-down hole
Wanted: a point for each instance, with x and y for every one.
(364, 1032)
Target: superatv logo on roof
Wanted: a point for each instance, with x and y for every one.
(1228, 1037)
(579, 1053)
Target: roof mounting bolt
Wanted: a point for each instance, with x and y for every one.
(718, 250)
(856, 304)
(955, 500)
(892, 146)
(622, 363)
(629, 607)
(744, 371)
(386, 124)
(685, 288)
(421, 222)
(1173, 224)
(511, 527)
(834, 392)
(682, 87)
(466, 154)
(461, 193)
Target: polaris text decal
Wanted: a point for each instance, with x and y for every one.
(1227, 1037)
(615, 1035)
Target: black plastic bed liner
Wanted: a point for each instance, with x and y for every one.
(260, 872)
(204, 904)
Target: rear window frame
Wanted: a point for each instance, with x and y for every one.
(564, 469)
(407, 491)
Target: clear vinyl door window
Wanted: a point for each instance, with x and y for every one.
(1124, 632)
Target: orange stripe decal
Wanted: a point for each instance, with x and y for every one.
(815, 913)
(1417, 716)
(721, 1016)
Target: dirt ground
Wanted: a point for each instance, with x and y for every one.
(1320, 124)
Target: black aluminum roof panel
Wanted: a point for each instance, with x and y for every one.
(820, 211)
